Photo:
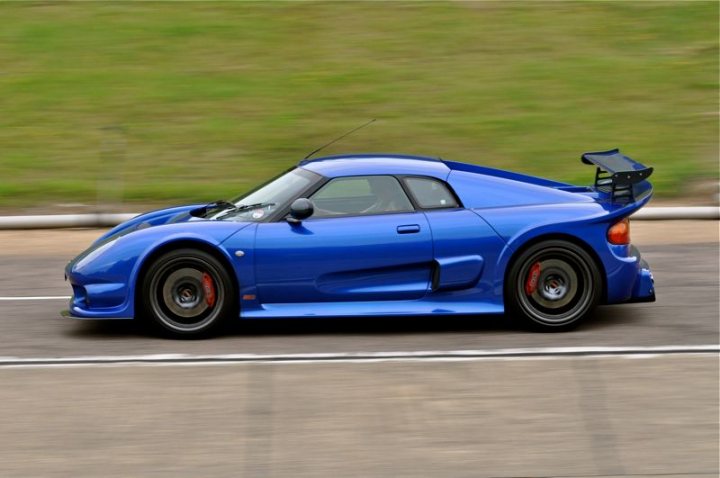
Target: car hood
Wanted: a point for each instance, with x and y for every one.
(143, 233)
(158, 217)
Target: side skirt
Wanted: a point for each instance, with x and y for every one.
(372, 309)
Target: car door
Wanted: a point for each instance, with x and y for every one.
(465, 248)
(365, 242)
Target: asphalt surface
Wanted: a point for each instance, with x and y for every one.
(686, 313)
(571, 418)
(620, 416)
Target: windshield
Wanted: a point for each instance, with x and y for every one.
(267, 198)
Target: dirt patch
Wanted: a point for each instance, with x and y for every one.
(674, 232)
(64, 242)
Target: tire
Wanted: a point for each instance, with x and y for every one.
(187, 293)
(553, 286)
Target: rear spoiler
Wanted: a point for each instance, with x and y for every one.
(616, 174)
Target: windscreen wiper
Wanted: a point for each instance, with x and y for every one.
(241, 208)
(220, 204)
(246, 207)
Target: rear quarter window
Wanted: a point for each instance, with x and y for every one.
(431, 193)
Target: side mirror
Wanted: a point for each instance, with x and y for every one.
(300, 209)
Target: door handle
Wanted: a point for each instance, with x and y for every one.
(408, 229)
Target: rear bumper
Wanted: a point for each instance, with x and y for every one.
(644, 289)
(629, 276)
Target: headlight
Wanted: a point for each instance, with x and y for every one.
(94, 254)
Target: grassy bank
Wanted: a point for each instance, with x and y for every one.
(204, 100)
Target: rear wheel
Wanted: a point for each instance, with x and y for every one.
(553, 286)
(187, 293)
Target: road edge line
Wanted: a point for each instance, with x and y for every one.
(362, 357)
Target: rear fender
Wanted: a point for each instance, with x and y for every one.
(583, 225)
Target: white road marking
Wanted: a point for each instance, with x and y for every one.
(42, 297)
(547, 353)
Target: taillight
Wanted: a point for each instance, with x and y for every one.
(619, 233)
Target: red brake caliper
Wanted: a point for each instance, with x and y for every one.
(209, 287)
(532, 279)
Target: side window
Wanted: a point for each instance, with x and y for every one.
(431, 193)
(359, 196)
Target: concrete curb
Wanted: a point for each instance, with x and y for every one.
(664, 213)
(57, 221)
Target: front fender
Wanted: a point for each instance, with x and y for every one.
(104, 278)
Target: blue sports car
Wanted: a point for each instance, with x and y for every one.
(377, 235)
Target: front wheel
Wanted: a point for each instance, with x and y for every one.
(553, 286)
(187, 293)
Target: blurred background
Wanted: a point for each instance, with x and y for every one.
(156, 103)
(126, 106)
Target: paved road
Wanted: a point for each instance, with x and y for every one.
(588, 417)
(579, 417)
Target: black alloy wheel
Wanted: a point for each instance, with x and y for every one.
(553, 286)
(188, 293)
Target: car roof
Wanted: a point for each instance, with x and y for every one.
(376, 163)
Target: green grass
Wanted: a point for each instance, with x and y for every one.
(215, 97)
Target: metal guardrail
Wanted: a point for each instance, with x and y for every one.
(59, 221)
(663, 213)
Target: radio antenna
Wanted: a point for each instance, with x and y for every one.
(338, 139)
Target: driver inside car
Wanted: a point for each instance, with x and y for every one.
(389, 197)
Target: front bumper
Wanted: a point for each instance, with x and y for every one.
(66, 314)
(92, 299)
